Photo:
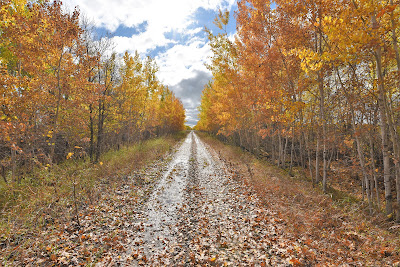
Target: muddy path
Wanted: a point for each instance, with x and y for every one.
(198, 214)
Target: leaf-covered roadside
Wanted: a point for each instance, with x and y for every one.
(49, 233)
(318, 229)
(225, 224)
(235, 210)
(217, 221)
(313, 84)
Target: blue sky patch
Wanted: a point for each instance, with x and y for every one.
(205, 18)
(180, 50)
(122, 30)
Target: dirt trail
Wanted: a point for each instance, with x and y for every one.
(158, 217)
(198, 215)
(195, 207)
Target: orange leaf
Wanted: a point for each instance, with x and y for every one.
(295, 262)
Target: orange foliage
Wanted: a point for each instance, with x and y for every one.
(60, 89)
(310, 82)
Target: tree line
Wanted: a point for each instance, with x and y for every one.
(313, 84)
(65, 92)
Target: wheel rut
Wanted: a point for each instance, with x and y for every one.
(197, 214)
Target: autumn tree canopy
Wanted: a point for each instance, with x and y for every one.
(64, 91)
(312, 84)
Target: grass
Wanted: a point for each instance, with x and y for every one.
(47, 196)
(340, 197)
(329, 222)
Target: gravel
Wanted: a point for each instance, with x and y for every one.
(197, 214)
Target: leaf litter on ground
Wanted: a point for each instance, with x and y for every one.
(197, 207)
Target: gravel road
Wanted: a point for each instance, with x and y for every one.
(198, 214)
(193, 206)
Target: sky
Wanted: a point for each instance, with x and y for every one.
(170, 31)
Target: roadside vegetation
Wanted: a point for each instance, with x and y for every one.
(333, 227)
(313, 84)
(55, 198)
(65, 91)
(76, 118)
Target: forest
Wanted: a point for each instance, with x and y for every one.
(313, 85)
(295, 159)
(66, 94)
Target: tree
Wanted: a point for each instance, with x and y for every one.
(61, 87)
(310, 81)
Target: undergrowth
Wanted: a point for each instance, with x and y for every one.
(336, 223)
(46, 196)
(340, 197)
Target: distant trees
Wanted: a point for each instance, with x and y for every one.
(62, 90)
(312, 83)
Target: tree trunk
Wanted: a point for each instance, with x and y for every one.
(307, 147)
(365, 181)
(324, 132)
(398, 195)
(58, 103)
(302, 151)
(279, 149)
(291, 153)
(273, 147)
(360, 153)
(13, 164)
(3, 173)
(54, 130)
(371, 151)
(394, 38)
(284, 152)
(100, 132)
(317, 161)
(395, 136)
(384, 134)
(396, 151)
(91, 128)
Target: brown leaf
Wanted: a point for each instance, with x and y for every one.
(53, 257)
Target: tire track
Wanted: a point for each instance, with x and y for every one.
(198, 215)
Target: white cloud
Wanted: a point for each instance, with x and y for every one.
(143, 42)
(168, 15)
(182, 61)
(194, 31)
(161, 17)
